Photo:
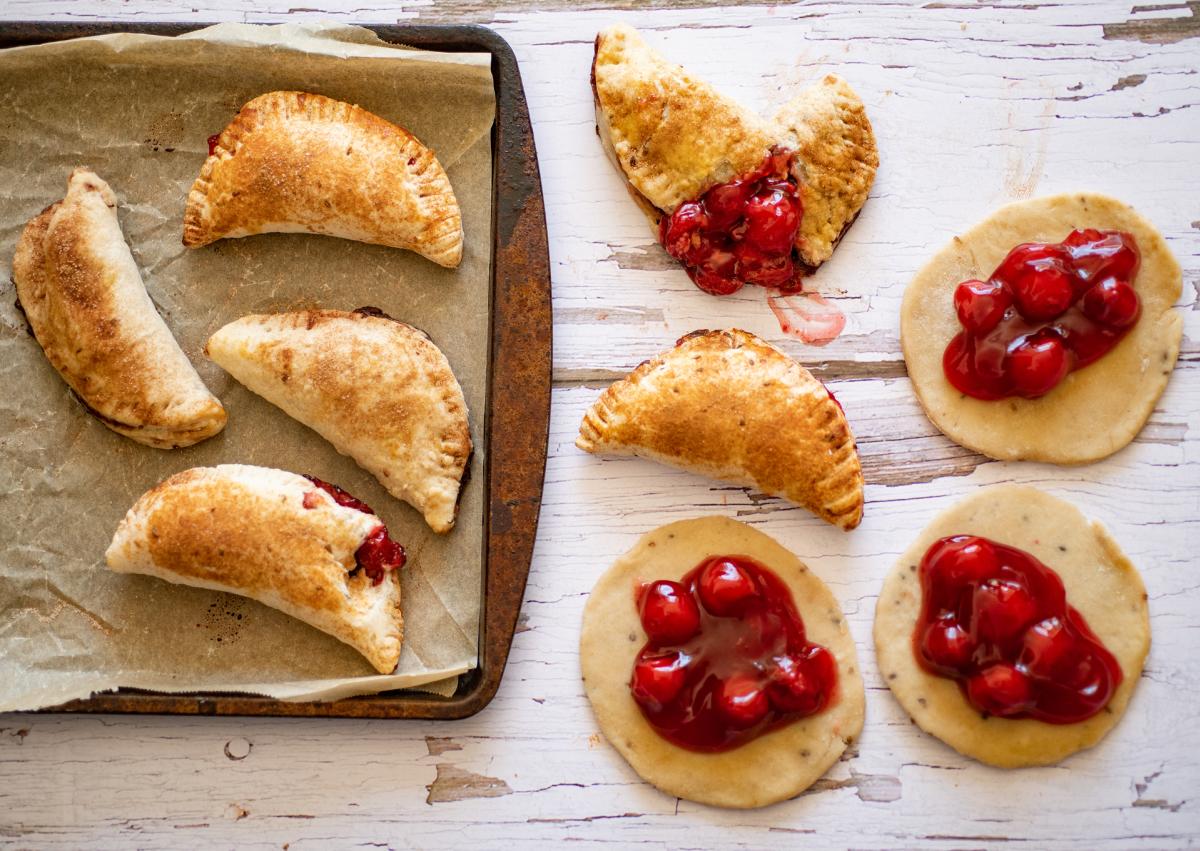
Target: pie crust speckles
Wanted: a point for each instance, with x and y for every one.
(1100, 583)
(727, 404)
(83, 296)
(295, 162)
(379, 390)
(1114, 396)
(773, 767)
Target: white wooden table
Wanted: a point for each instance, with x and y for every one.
(974, 104)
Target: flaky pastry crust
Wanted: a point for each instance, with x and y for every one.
(295, 162)
(729, 405)
(246, 530)
(674, 137)
(380, 391)
(83, 296)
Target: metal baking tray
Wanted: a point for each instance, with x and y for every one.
(516, 419)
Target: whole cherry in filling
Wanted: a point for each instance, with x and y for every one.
(726, 658)
(740, 232)
(997, 620)
(378, 553)
(1048, 309)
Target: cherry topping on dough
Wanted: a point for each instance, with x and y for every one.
(378, 553)
(743, 668)
(997, 620)
(657, 679)
(1046, 310)
(669, 612)
(740, 232)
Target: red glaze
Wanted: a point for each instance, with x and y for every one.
(378, 553)
(212, 143)
(742, 669)
(996, 619)
(740, 232)
(1048, 309)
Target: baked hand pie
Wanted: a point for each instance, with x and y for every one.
(291, 542)
(295, 162)
(379, 390)
(719, 666)
(1049, 314)
(729, 405)
(81, 291)
(1013, 629)
(736, 198)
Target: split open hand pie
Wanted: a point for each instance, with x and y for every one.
(295, 162)
(296, 544)
(379, 390)
(88, 308)
(736, 198)
(729, 405)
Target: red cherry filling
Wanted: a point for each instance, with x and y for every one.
(669, 613)
(740, 232)
(726, 659)
(213, 141)
(1047, 309)
(997, 620)
(378, 553)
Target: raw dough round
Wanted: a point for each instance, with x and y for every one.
(771, 768)
(1101, 583)
(1096, 410)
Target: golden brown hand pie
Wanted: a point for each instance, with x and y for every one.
(275, 537)
(674, 137)
(379, 390)
(88, 308)
(294, 162)
(729, 405)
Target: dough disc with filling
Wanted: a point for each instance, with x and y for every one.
(1096, 410)
(773, 767)
(1101, 584)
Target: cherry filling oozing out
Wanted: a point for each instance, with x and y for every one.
(1046, 310)
(213, 140)
(726, 659)
(997, 620)
(740, 232)
(378, 553)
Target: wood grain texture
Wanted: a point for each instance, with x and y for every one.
(974, 104)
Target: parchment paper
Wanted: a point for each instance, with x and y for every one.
(138, 109)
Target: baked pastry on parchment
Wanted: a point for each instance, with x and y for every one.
(729, 405)
(679, 142)
(1106, 600)
(295, 162)
(290, 542)
(377, 389)
(1094, 410)
(81, 291)
(764, 764)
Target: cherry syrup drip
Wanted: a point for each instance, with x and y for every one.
(1048, 309)
(740, 232)
(378, 553)
(213, 140)
(726, 659)
(996, 619)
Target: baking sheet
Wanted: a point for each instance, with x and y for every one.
(138, 109)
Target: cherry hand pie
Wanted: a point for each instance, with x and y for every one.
(736, 198)
(729, 405)
(379, 390)
(88, 308)
(290, 542)
(294, 162)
